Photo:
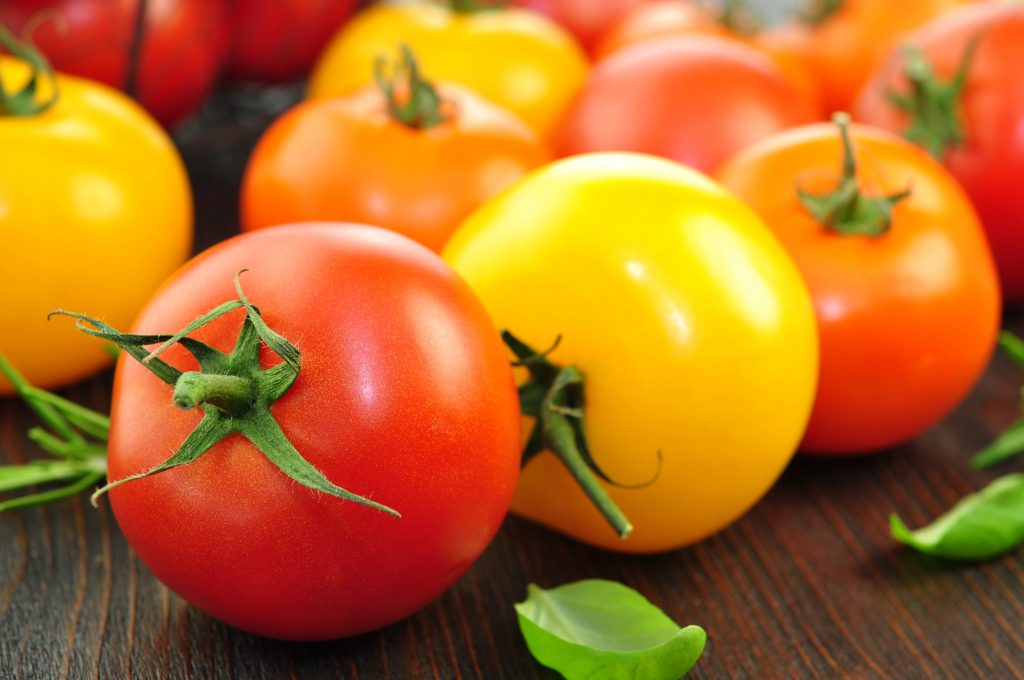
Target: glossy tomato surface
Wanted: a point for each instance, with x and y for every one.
(681, 310)
(585, 19)
(95, 212)
(696, 100)
(908, 319)
(662, 18)
(275, 41)
(515, 58)
(846, 44)
(347, 158)
(405, 396)
(989, 112)
(183, 46)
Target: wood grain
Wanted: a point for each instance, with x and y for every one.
(808, 584)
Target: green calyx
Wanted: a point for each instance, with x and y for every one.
(846, 210)
(412, 101)
(737, 16)
(25, 101)
(817, 12)
(933, 105)
(554, 396)
(1011, 442)
(232, 390)
(471, 6)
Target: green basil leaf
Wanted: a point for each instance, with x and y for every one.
(981, 526)
(603, 630)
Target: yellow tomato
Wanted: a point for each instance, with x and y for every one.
(515, 58)
(95, 212)
(692, 327)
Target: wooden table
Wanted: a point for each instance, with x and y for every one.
(808, 584)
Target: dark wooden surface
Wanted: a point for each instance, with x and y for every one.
(808, 584)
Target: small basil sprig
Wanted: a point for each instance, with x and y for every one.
(603, 630)
(981, 526)
(1011, 442)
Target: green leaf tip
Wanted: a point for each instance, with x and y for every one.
(981, 526)
(603, 630)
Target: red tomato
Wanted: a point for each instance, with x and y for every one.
(694, 99)
(405, 395)
(662, 18)
(906, 296)
(182, 50)
(978, 133)
(274, 41)
(585, 19)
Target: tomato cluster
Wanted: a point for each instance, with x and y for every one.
(832, 289)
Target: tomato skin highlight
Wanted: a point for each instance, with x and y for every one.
(641, 99)
(405, 396)
(907, 320)
(682, 312)
(183, 48)
(515, 58)
(346, 159)
(95, 211)
(990, 162)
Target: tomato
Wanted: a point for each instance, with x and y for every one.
(274, 41)
(976, 128)
(906, 296)
(515, 58)
(661, 18)
(183, 47)
(644, 99)
(95, 210)
(352, 158)
(846, 42)
(404, 395)
(585, 19)
(681, 311)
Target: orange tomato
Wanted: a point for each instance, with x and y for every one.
(905, 291)
(672, 18)
(843, 47)
(349, 159)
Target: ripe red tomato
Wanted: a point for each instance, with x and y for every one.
(405, 395)
(905, 290)
(183, 47)
(585, 19)
(694, 99)
(274, 41)
(977, 130)
(360, 161)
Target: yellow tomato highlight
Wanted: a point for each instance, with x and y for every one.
(95, 212)
(693, 329)
(515, 58)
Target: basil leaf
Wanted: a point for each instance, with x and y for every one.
(981, 526)
(603, 630)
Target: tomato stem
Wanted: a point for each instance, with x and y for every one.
(470, 6)
(25, 102)
(847, 211)
(933, 105)
(412, 100)
(554, 396)
(232, 394)
(233, 390)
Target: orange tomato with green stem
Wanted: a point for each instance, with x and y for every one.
(517, 59)
(904, 286)
(403, 155)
